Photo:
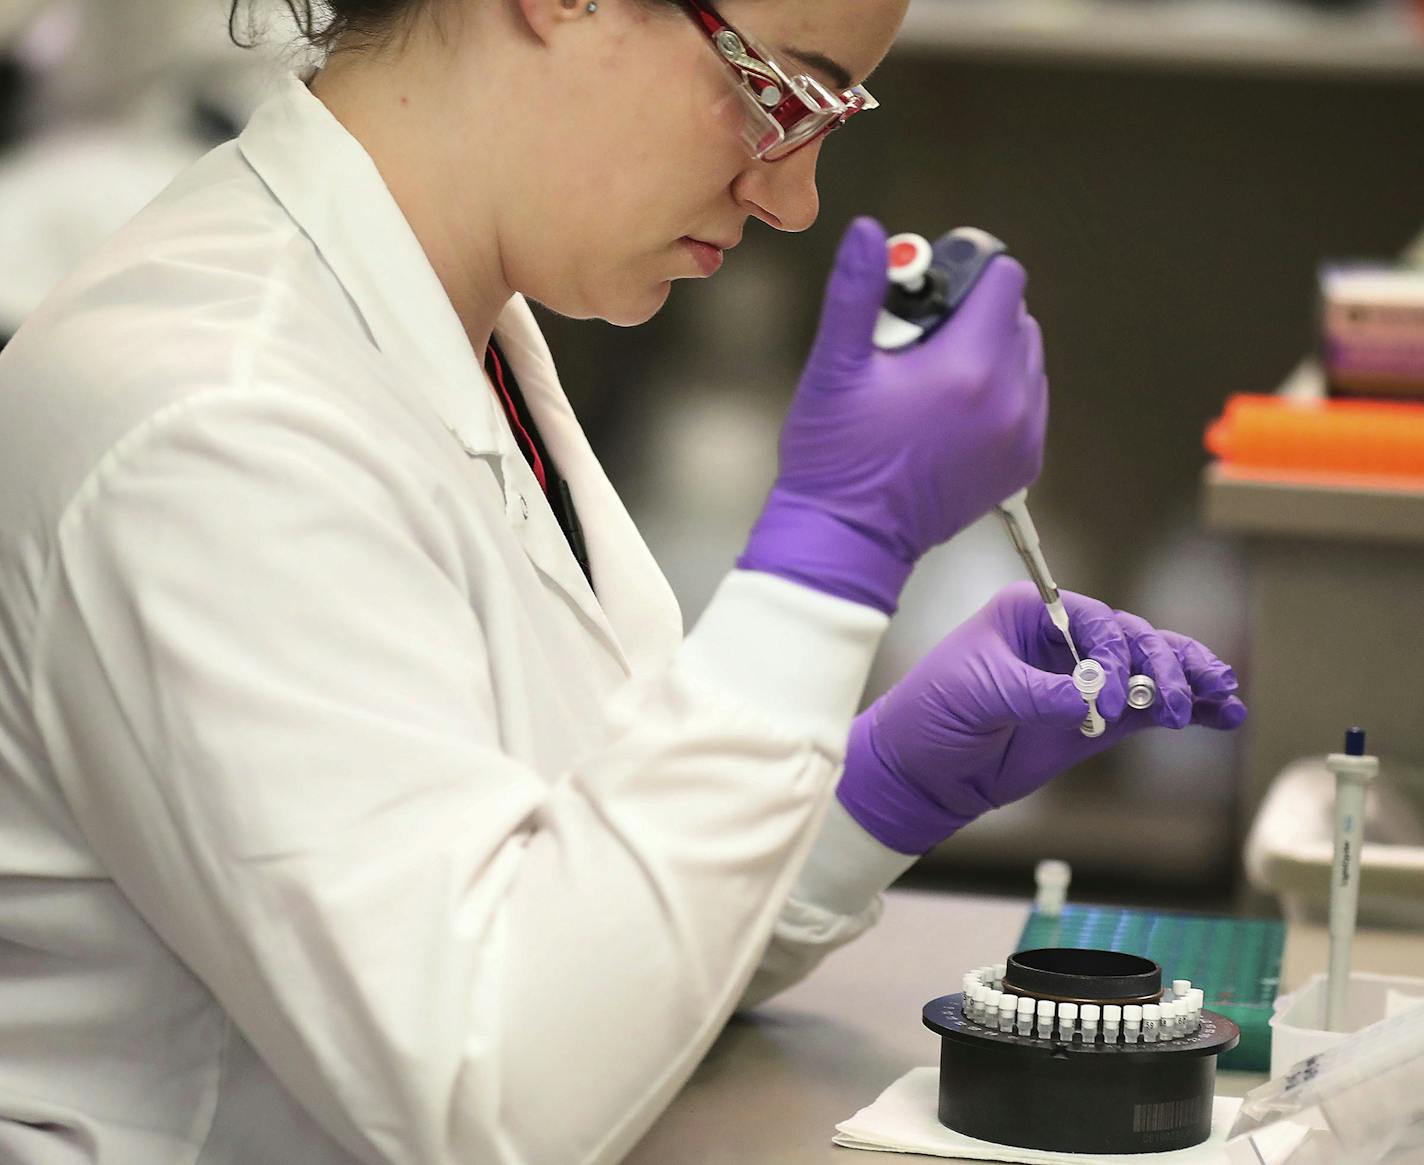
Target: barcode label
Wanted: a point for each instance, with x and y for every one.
(1166, 1116)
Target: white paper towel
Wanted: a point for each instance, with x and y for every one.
(903, 1120)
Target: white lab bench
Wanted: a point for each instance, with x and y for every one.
(776, 1083)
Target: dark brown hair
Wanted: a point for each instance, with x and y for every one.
(322, 23)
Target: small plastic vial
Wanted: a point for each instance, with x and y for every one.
(1091, 1013)
(1196, 1000)
(1000, 969)
(1051, 877)
(1112, 1021)
(1180, 987)
(991, 1008)
(1008, 1008)
(979, 995)
(1025, 1018)
(1044, 1029)
(1151, 1022)
(1067, 1021)
(1141, 691)
(1090, 679)
(1168, 1028)
(1131, 1022)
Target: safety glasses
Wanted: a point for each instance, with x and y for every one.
(779, 112)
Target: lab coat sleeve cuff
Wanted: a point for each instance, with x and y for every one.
(799, 655)
(847, 867)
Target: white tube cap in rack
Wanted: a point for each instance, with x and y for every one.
(1067, 1020)
(1151, 1022)
(1044, 1028)
(1131, 1022)
(1180, 987)
(991, 1008)
(1026, 1006)
(1091, 1013)
(1000, 969)
(1008, 1008)
(1112, 1022)
(1196, 1000)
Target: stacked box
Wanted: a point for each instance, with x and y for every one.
(1372, 330)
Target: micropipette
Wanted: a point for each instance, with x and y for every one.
(927, 285)
(1353, 771)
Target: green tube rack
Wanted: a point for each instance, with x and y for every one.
(1235, 961)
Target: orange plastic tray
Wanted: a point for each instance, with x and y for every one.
(1330, 438)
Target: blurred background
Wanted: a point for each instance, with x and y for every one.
(1171, 172)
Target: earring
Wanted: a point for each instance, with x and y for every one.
(592, 6)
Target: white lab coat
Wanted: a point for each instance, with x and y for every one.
(339, 820)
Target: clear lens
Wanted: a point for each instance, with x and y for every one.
(793, 115)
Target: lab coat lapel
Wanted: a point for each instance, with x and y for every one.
(304, 154)
(632, 589)
(326, 181)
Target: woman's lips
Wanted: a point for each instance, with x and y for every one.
(707, 257)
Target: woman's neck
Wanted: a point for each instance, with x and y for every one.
(396, 106)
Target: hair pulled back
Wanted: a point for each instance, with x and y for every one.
(322, 23)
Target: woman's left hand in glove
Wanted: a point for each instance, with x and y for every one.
(991, 713)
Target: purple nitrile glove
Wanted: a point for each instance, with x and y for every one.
(884, 455)
(991, 713)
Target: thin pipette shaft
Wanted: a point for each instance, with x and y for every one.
(1024, 535)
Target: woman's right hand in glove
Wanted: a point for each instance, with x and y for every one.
(885, 455)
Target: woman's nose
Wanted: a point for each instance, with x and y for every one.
(783, 194)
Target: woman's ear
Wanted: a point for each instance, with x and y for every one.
(543, 16)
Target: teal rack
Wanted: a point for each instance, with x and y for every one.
(1235, 961)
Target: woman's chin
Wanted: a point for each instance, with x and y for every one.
(631, 310)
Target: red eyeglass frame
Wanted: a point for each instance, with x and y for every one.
(784, 98)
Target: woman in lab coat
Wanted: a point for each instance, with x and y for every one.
(361, 799)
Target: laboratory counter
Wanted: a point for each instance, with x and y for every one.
(777, 1081)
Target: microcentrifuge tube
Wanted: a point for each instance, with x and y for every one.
(1168, 1028)
(1196, 1000)
(1131, 1022)
(1090, 679)
(1112, 1021)
(991, 1008)
(1000, 969)
(1051, 878)
(1151, 1022)
(1025, 1018)
(1067, 1021)
(978, 995)
(1044, 1030)
(1091, 1013)
(1008, 1008)
(1180, 987)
